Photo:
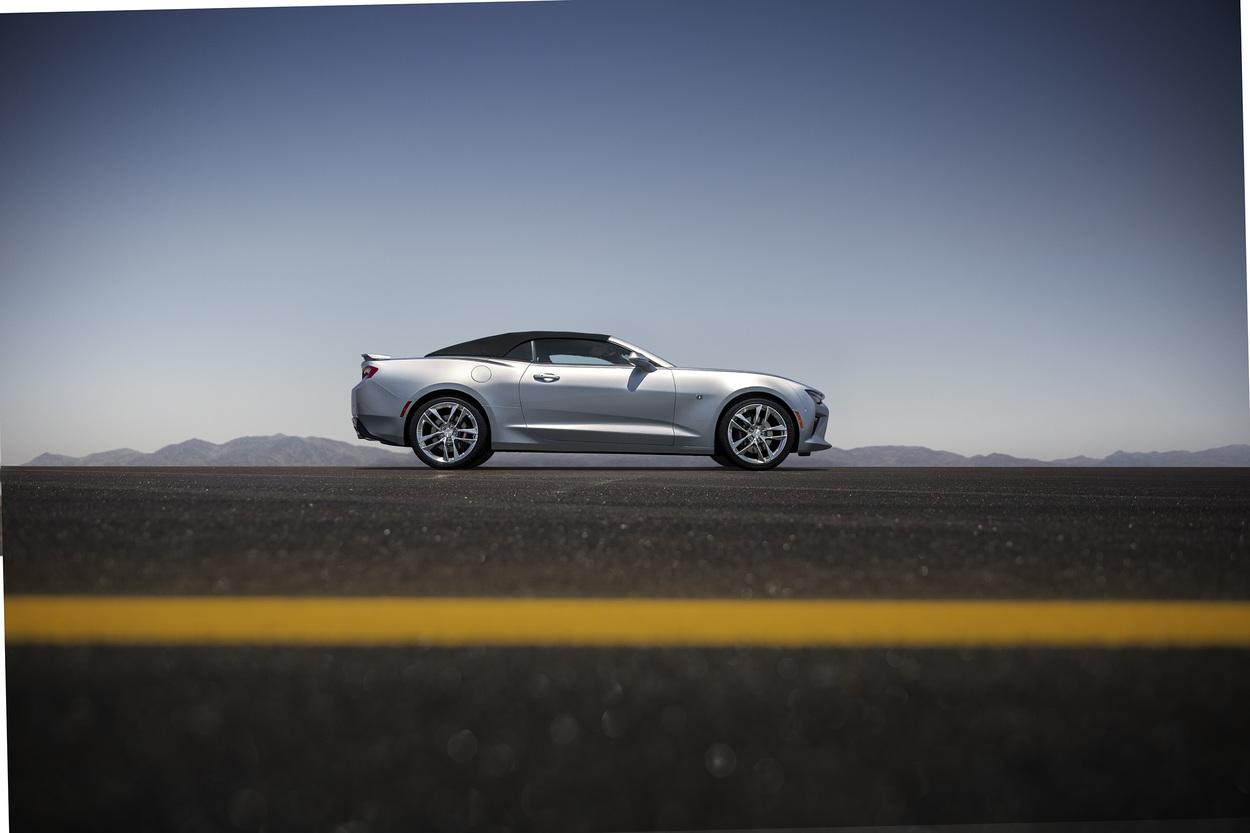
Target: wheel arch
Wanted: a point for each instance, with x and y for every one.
(445, 390)
(787, 411)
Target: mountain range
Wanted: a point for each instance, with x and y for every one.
(282, 450)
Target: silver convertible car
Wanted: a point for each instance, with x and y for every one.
(562, 391)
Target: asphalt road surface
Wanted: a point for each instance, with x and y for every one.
(1018, 533)
(202, 738)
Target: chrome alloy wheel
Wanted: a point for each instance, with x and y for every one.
(757, 433)
(447, 431)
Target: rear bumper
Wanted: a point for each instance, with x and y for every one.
(375, 414)
(363, 433)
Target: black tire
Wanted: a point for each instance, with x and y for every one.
(724, 461)
(490, 452)
(476, 453)
(724, 447)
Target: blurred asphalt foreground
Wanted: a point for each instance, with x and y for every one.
(170, 732)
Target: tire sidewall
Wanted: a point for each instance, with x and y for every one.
(722, 430)
(483, 433)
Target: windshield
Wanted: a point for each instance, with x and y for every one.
(652, 356)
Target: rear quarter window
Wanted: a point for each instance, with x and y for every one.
(523, 352)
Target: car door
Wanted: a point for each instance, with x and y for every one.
(585, 392)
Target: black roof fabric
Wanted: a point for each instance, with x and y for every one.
(496, 347)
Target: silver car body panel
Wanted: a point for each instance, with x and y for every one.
(598, 404)
(588, 408)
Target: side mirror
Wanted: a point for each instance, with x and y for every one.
(640, 361)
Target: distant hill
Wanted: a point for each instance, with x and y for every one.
(277, 450)
(281, 450)
(1228, 455)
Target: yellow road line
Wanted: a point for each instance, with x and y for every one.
(177, 620)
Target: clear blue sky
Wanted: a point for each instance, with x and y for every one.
(979, 226)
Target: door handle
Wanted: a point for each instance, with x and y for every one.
(546, 377)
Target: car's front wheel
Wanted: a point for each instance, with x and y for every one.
(755, 433)
(450, 432)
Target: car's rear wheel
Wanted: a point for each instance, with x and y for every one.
(755, 433)
(450, 432)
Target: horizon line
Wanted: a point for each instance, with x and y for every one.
(849, 449)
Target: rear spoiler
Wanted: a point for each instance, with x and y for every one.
(373, 357)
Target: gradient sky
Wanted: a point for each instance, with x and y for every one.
(979, 226)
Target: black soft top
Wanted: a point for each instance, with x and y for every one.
(496, 347)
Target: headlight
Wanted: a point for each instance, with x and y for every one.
(816, 395)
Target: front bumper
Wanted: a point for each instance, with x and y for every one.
(814, 438)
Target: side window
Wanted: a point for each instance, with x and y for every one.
(523, 352)
(578, 351)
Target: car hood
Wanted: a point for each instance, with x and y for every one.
(744, 372)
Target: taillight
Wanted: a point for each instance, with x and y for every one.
(367, 372)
